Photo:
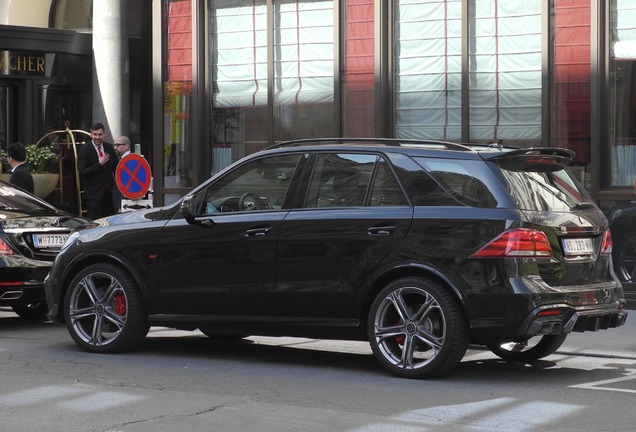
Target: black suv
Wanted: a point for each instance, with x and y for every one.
(419, 247)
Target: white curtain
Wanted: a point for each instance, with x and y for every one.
(239, 57)
(505, 70)
(624, 18)
(303, 52)
(428, 69)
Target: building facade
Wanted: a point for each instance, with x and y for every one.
(47, 57)
(214, 80)
(238, 76)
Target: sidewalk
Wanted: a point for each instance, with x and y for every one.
(617, 342)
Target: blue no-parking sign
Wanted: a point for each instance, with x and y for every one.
(133, 176)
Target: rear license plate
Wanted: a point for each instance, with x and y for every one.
(581, 246)
(49, 240)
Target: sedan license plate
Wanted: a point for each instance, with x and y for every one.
(49, 240)
(580, 246)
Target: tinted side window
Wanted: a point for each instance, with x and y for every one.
(385, 190)
(340, 180)
(424, 191)
(258, 185)
(468, 181)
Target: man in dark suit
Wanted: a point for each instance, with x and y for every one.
(96, 162)
(20, 175)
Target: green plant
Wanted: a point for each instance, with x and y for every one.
(4, 165)
(39, 158)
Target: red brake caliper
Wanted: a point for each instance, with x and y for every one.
(120, 304)
(400, 339)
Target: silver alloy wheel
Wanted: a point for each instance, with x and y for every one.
(410, 327)
(98, 309)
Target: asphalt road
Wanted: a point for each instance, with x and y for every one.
(183, 381)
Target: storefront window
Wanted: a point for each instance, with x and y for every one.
(303, 69)
(177, 156)
(72, 14)
(359, 70)
(238, 65)
(428, 92)
(622, 92)
(302, 80)
(571, 82)
(505, 71)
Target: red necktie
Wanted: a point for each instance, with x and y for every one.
(99, 150)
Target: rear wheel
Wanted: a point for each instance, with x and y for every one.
(103, 310)
(31, 311)
(416, 329)
(625, 264)
(527, 352)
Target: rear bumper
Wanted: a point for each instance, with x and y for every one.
(21, 295)
(557, 319)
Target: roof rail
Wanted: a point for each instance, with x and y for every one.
(395, 142)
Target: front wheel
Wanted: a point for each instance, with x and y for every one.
(416, 329)
(526, 351)
(103, 310)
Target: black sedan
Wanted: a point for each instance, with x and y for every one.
(31, 234)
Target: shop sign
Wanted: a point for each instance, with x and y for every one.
(18, 63)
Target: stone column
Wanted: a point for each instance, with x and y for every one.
(111, 70)
(4, 11)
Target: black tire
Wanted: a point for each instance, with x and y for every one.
(103, 310)
(416, 329)
(525, 352)
(625, 265)
(32, 311)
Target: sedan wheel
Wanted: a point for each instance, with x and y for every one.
(103, 310)
(416, 329)
(527, 352)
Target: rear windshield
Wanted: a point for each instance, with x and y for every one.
(545, 190)
(545, 186)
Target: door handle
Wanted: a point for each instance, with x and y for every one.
(381, 230)
(257, 232)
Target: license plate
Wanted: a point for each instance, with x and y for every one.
(580, 246)
(49, 240)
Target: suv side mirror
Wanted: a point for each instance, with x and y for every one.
(187, 208)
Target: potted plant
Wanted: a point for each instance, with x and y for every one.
(38, 159)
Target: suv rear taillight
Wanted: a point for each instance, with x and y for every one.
(606, 248)
(5, 249)
(517, 243)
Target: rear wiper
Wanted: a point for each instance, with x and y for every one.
(582, 206)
